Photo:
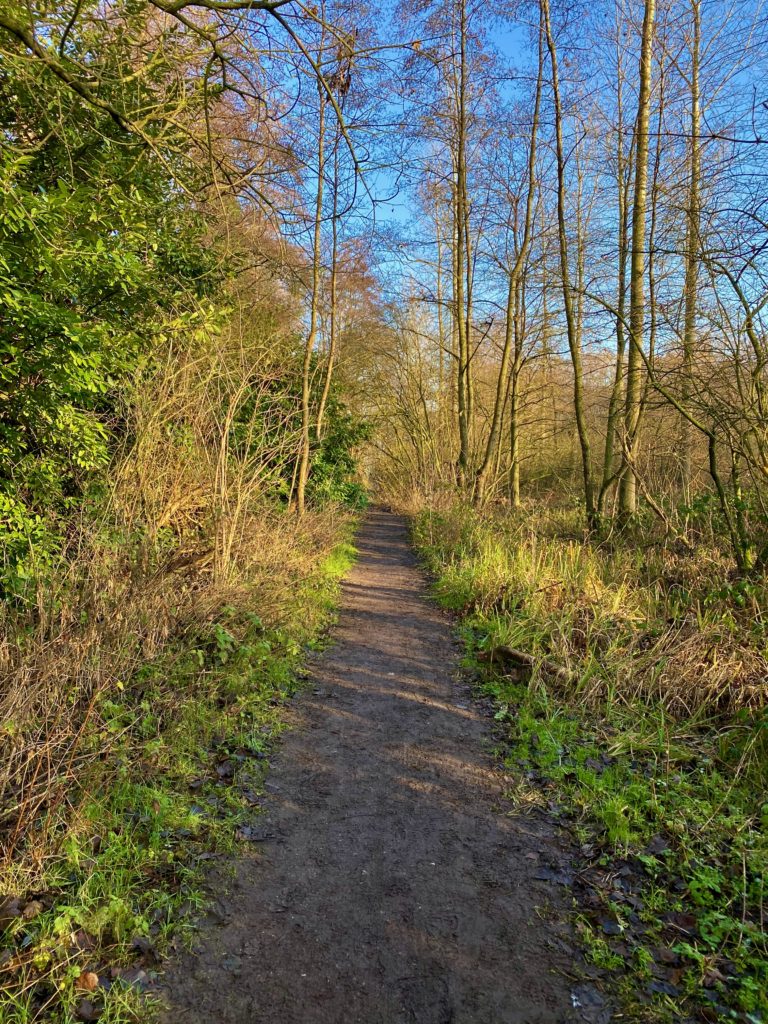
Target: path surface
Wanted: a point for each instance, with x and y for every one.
(398, 888)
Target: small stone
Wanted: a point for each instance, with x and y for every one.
(87, 1010)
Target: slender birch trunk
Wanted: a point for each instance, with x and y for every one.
(574, 341)
(634, 386)
(502, 381)
(333, 319)
(464, 395)
(514, 414)
(441, 339)
(304, 457)
(623, 183)
(693, 228)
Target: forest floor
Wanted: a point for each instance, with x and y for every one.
(390, 879)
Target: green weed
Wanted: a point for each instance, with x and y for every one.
(189, 737)
(661, 771)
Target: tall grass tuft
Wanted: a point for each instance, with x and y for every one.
(636, 622)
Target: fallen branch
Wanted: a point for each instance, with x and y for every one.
(528, 661)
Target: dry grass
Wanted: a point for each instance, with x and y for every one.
(84, 636)
(189, 528)
(628, 622)
(113, 612)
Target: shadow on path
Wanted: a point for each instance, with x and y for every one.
(397, 888)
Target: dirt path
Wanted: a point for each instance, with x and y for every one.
(396, 888)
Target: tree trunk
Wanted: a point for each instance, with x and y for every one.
(304, 456)
(623, 181)
(502, 381)
(574, 342)
(332, 325)
(514, 412)
(693, 228)
(634, 388)
(461, 262)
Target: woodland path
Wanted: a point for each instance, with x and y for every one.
(397, 886)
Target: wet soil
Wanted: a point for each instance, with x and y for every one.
(394, 883)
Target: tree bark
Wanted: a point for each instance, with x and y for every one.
(306, 369)
(634, 386)
(461, 262)
(693, 228)
(502, 381)
(332, 324)
(574, 341)
(623, 182)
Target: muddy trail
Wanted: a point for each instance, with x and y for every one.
(393, 885)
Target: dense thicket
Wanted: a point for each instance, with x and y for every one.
(158, 265)
(131, 141)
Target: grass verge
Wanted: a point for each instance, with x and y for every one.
(173, 760)
(650, 743)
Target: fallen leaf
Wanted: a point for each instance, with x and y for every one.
(657, 845)
(131, 976)
(82, 940)
(685, 923)
(558, 877)
(611, 927)
(713, 977)
(663, 988)
(667, 956)
(144, 945)
(10, 910)
(587, 998)
(88, 981)
(250, 834)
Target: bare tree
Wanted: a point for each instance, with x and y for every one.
(512, 350)
(572, 327)
(634, 385)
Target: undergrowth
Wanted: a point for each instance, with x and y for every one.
(653, 744)
(167, 775)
